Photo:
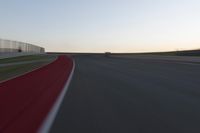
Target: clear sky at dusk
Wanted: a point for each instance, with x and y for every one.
(103, 25)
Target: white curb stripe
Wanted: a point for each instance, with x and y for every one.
(48, 122)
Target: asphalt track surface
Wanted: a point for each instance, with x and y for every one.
(131, 95)
(25, 101)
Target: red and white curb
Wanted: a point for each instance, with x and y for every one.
(48, 122)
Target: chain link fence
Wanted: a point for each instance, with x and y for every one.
(8, 46)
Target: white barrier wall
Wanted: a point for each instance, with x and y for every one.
(8, 46)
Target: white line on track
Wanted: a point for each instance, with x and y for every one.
(48, 122)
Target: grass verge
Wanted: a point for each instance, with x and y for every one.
(14, 70)
(26, 58)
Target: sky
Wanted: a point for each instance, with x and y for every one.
(103, 25)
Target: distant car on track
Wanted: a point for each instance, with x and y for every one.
(107, 54)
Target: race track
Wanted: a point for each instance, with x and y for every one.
(131, 95)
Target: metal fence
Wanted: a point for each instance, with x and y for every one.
(8, 46)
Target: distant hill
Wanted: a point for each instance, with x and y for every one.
(179, 53)
(173, 53)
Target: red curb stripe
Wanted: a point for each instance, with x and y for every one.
(48, 122)
(26, 100)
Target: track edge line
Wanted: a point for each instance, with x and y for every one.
(51, 116)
